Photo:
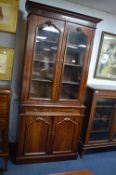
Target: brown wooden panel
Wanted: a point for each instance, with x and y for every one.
(79, 110)
(37, 135)
(65, 134)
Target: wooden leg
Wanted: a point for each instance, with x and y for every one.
(82, 153)
(81, 150)
(5, 140)
(5, 147)
(5, 164)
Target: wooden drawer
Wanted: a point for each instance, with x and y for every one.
(77, 111)
(3, 112)
(3, 123)
(4, 105)
(4, 99)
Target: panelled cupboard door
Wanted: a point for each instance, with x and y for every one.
(44, 42)
(75, 59)
(37, 135)
(65, 134)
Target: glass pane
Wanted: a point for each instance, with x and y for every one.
(73, 63)
(44, 61)
(106, 102)
(101, 124)
(103, 112)
(67, 93)
(101, 136)
(103, 117)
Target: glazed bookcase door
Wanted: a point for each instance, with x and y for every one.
(101, 129)
(45, 37)
(65, 134)
(76, 43)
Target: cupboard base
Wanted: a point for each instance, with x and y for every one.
(86, 147)
(41, 159)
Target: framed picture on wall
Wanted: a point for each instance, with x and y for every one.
(6, 63)
(106, 61)
(8, 15)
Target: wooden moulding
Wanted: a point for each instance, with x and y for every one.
(61, 14)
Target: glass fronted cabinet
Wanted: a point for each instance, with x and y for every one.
(57, 55)
(56, 68)
(100, 123)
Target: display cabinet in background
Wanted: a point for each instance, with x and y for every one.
(57, 56)
(99, 126)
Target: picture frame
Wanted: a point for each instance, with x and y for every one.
(106, 61)
(6, 63)
(8, 15)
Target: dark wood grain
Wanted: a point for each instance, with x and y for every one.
(58, 13)
(49, 129)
